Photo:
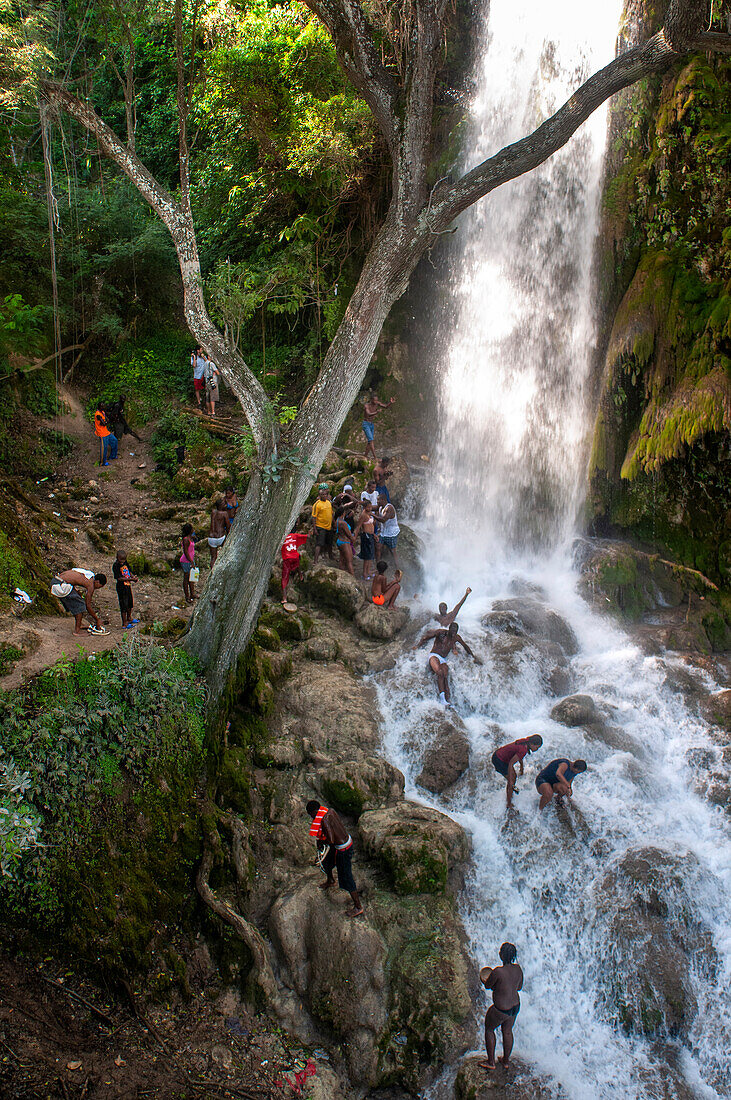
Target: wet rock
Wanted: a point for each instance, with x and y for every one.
(519, 1082)
(559, 681)
(325, 1085)
(333, 588)
(381, 622)
(448, 755)
(399, 481)
(321, 649)
(717, 709)
(653, 939)
(336, 966)
(685, 683)
(410, 552)
(330, 707)
(420, 848)
(526, 616)
(576, 710)
(359, 785)
(615, 577)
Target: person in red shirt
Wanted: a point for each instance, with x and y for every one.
(505, 758)
(290, 558)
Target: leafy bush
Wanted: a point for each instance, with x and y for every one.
(12, 572)
(133, 716)
(148, 372)
(175, 429)
(19, 822)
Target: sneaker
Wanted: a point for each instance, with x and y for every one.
(97, 630)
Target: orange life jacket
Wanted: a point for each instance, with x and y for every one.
(100, 424)
(316, 826)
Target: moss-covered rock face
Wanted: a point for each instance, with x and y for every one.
(517, 1083)
(418, 847)
(333, 589)
(661, 463)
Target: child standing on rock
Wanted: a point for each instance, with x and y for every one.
(125, 579)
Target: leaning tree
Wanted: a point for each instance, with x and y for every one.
(396, 78)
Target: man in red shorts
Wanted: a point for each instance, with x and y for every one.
(290, 558)
(505, 758)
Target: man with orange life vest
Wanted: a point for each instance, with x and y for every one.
(328, 829)
(107, 441)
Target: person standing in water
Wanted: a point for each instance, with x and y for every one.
(444, 618)
(371, 409)
(556, 779)
(445, 643)
(505, 982)
(506, 757)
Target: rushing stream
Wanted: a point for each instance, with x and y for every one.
(498, 513)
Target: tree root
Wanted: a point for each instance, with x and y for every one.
(262, 973)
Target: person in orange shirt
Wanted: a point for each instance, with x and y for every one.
(107, 441)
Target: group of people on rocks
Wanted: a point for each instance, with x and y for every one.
(205, 380)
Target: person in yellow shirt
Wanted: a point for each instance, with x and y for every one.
(322, 523)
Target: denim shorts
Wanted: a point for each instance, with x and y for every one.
(369, 430)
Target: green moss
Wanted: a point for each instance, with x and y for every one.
(416, 868)
(344, 796)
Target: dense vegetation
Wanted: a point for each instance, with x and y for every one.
(99, 763)
(661, 465)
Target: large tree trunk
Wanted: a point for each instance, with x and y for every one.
(229, 606)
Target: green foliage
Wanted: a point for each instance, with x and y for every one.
(175, 429)
(149, 372)
(12, 570)
(20, 326)
(133, 714)
(19, 822)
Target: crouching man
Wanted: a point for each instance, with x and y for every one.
(329, 831)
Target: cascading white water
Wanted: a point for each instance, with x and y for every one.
(498, 514)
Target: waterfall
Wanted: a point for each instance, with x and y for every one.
(513, 353)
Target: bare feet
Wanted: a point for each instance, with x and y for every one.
(355, 912)
(505, 1062)
(326, 885)
(487, 1065)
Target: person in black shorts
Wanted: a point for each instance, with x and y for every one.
(505, 982)
(125, 578)
(328, 830)
(556, 779)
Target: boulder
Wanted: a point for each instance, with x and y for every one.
(421, 849)
(359, 785)
(200, 481)
(615, 577)
(322, 649)
(576, 710)
(652, 940)
(381, 622)
(525, 616)
(410, 552)
(716, 709)
(334, 589)
(399, 481)
(330, 707)
(336, 965)
(518, 1082)
(448, 756)
(559, 681)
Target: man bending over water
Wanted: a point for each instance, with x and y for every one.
(506, 757)
(556, 779)
(445, 642)
(505, 981)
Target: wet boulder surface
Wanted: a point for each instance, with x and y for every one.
(447, 755)
(518, 1082)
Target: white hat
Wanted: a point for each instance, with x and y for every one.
(346, 487)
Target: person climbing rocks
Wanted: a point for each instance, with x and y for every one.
(366, 528)
(444, 618)
(383, 591)
(345, 539)
(125, 578)
(232, 502)
(556, 779)
(198, 363)
(328, 830)
(291, 558)
(212, 394)
(187, 562)
(506, 757)
(505, 982)
(445, 643)
(389, 529)
(220, 527)
(371, 409)
(68, 588)
(107, 440)
(322, 522)
(380, 474)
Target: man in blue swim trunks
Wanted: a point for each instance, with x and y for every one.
(556, 779)
(371, 409)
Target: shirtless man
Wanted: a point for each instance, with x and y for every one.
(505, 982)
(445, 642)
(220, 527)
(444, 618)
(383, 591)
(328, 829)
(380, 474)
(371, 409)
(556, 779)
(68, 586)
